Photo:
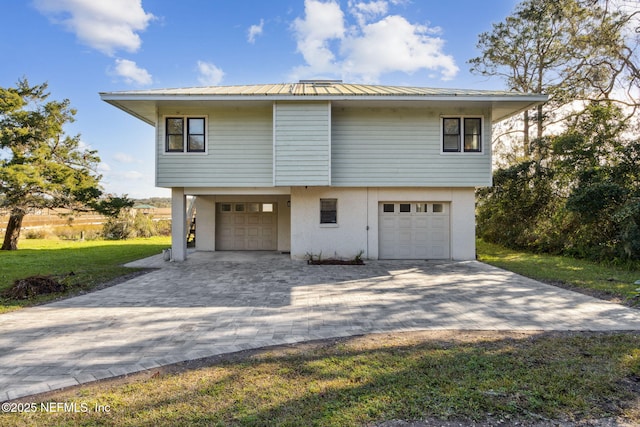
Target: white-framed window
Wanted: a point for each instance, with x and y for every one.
(461, 134)
(185, 134)
(328, 211)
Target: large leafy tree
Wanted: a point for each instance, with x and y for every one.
(40, 166)
(572, 50)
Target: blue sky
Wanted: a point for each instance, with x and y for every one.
(82, 47)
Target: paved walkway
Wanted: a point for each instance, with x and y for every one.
(217, 303)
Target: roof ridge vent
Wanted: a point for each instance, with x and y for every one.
(320, 82)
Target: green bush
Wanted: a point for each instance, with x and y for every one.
(582, 199)
(128, 226)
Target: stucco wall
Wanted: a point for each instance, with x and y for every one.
(357, 227)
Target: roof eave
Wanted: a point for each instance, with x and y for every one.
(114, 96)
(522, 102)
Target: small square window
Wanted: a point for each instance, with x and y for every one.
(239, 207)
(328, 211)
(253, 207)
(225, 207)
(405, 207)
(267, 207)
(421, 207)
(438, 207)
(388, 207)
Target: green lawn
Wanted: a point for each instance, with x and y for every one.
(503, 377)
(92, 262)
(591, 277)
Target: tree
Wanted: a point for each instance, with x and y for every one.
(583, 200)
(572, 50)
(41, 166)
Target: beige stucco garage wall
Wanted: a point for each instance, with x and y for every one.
(357, 225)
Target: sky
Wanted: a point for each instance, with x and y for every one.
(83, 47)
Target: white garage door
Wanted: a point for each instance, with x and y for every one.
(414, 230)
(246, 226)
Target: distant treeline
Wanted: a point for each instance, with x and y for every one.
(158, 202)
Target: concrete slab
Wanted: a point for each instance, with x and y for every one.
(221, 302)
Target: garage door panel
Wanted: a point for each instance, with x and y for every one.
(246, 229)
(418, 232)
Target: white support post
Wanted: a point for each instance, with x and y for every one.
(178, 224)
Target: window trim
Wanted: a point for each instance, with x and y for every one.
(185, 134)
(461, 150)
(328, 224)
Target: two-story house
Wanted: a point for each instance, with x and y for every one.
(324, 167)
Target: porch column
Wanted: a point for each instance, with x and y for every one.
(178, 224)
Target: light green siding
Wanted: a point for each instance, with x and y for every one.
(239, 150)
(389, 147)
(301, 143)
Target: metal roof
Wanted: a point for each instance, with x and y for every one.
(143, 104)
(313, 88)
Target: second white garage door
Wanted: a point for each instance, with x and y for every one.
(414, 230)
(244, 226)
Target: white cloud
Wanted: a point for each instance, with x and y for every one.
(210, 75)
(375, 45)
(322, 23)
(104, 167)
(123, 158)
(394, 44)
(131, 73)
(107, 26)
(254, 31)
(364, 12)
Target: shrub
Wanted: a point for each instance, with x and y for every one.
(127, 226)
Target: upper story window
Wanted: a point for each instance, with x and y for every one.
(462, 134)
(185, 134)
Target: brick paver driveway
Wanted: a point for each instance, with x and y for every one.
(224, 302)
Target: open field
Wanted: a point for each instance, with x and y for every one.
(60, 218)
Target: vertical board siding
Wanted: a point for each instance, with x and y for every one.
(402, 147)
(239, 151)
(301, 143)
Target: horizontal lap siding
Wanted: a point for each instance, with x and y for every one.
(301, 143)
(400, 147)
(240, 145)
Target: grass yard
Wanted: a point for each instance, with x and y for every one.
(502, 378)
(92, 263)
(607, 282)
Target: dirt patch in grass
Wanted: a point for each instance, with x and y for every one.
(32, 286)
